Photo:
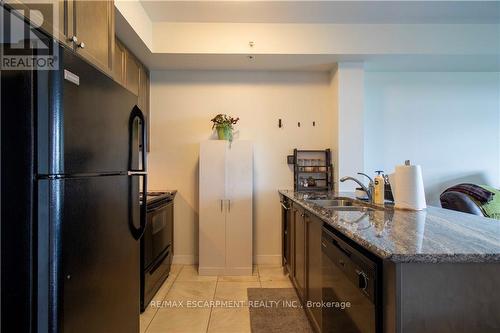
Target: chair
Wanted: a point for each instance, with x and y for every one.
(460, 202)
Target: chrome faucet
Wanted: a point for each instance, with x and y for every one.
(368, 190)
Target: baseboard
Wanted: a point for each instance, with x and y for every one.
(210, 271)
(262, 259)
(184, 259)
(235, 271)
(267, 259)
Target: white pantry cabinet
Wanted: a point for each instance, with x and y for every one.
(225, 208)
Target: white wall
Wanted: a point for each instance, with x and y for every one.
(447, 122)
(350, 115)
(182, 104)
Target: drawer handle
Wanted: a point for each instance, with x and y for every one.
(344, 251)
(362, 280)
(158, 264)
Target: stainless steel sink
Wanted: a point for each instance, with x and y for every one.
(358, 208)
(335, 203)
(344, 204)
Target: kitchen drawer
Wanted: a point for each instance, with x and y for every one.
(154, 277)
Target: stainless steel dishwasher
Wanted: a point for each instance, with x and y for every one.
(349, 287)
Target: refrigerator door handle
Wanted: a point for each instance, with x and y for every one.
(136, 173)
(137, 113)
(140, 172)
(137, 233)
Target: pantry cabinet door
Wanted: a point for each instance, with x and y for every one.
(93, 24)
(239, 185)
(212, 222)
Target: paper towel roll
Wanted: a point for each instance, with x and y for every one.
(410, 192)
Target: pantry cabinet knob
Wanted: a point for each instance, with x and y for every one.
(74, 39)
(81, 45)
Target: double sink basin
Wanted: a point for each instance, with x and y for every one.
(345, 204)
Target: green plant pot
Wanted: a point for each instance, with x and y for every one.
(225, 133)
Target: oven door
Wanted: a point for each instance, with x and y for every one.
(158, 234)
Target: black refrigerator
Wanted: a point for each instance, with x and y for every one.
(72, 166)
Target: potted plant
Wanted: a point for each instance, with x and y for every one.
(224, 126)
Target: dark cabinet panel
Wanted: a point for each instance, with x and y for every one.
(49, 15)
(119, 62)
(286, 226)
(132, 73)
(314, 268)
(300, 252)
(94, 28)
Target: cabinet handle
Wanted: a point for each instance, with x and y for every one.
(362, 280)
(229, 205)
(221, 204)
(81, 45)
(74, 39)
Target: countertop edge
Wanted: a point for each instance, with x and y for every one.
(401, 258)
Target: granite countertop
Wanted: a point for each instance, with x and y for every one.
(433, 235)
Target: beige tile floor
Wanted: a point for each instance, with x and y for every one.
(168, 312)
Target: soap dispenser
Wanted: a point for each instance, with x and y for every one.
(379, 188)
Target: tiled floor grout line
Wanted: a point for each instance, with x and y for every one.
(153, 317)
(270, 275)
(211, 308)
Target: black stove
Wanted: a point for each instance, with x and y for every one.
(157, 243)
(154, 197)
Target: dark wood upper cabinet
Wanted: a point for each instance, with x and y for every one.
(132, 73)
(49, 15)
(86, 26)
(119, 62)
(94, 32)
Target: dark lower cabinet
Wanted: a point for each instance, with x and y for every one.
(314, 283)
(302, 257)
(300, 252)
(287, 225)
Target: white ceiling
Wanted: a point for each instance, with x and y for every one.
(369, 12)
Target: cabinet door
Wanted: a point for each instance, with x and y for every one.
(132, 73)
(286, 216)
(212, 223)
(239, 184)
(314, 267)
(300, 253)
(93, 23)
(291, 266)
(119, 62)
(49, 15)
